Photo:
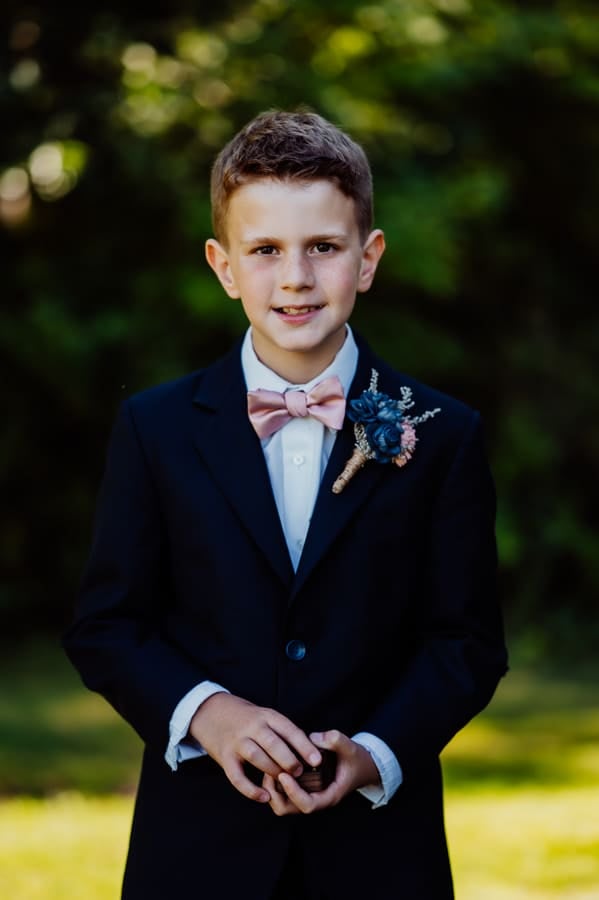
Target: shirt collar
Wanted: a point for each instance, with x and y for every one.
(257, 375)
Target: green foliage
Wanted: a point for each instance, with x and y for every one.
(55, 736)
(480, 121)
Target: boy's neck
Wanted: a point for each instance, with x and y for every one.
(298, 368)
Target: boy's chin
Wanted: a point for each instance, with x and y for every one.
(308, 347)
(311, 339)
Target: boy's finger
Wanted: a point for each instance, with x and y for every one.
(240, 781)
(310, 802)
(305, 803)
(330, 740)
(299, 742)
(279, 802)
(252, 753)
(278, 750)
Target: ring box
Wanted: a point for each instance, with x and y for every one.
(317, 778)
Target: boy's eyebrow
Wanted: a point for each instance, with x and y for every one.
(259, 239)
(312, 239)
(328, 236)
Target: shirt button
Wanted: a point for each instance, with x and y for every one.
(295, 650)
(298, 459)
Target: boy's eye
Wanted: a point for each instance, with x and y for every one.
(323, 247)
(266, 250)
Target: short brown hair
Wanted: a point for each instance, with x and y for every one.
(298, 145)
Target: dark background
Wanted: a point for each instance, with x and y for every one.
(481, 120)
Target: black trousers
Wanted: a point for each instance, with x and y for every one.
(292, 882)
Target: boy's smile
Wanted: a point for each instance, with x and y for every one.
(295, 259)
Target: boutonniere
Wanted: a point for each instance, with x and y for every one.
(383, 429)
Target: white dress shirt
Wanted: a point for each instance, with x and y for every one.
(296, 457)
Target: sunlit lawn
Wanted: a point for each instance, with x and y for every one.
(66, 847)
(522, 788)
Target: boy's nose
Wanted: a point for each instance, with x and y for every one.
(297, 273)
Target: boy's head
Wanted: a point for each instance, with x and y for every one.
(298, 146)
(292, 208)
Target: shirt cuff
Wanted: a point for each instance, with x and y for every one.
(388, 767)
(178, 752)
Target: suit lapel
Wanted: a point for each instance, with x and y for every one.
(231, 450)
(332, 512)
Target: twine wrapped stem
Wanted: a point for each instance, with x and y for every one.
(353, 465)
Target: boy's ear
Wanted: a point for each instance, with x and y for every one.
(218, 260)
(371, 253)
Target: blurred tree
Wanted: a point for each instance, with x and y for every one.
(480, 119)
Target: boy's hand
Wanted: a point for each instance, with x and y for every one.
(355, 769)
(234, 731)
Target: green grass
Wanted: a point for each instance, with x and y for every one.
(522, 787)
(65, 847)
(528, 844)
(522, 792)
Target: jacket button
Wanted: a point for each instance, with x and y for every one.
(295, 650)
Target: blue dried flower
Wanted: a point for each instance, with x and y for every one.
(373, 406)
(385, 440)
(366, 407)
(390, 413)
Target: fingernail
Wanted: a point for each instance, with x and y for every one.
(297, 771)
(314, 759)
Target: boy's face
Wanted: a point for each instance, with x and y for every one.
(295, 259)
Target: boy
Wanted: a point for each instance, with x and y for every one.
(246, 610)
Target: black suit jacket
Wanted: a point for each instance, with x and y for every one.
(189, 578)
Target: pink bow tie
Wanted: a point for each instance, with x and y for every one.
(270, 410)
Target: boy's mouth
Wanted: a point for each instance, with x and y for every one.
(297, 310)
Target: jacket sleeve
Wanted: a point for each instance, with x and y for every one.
(117, 639)
(459, 654)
